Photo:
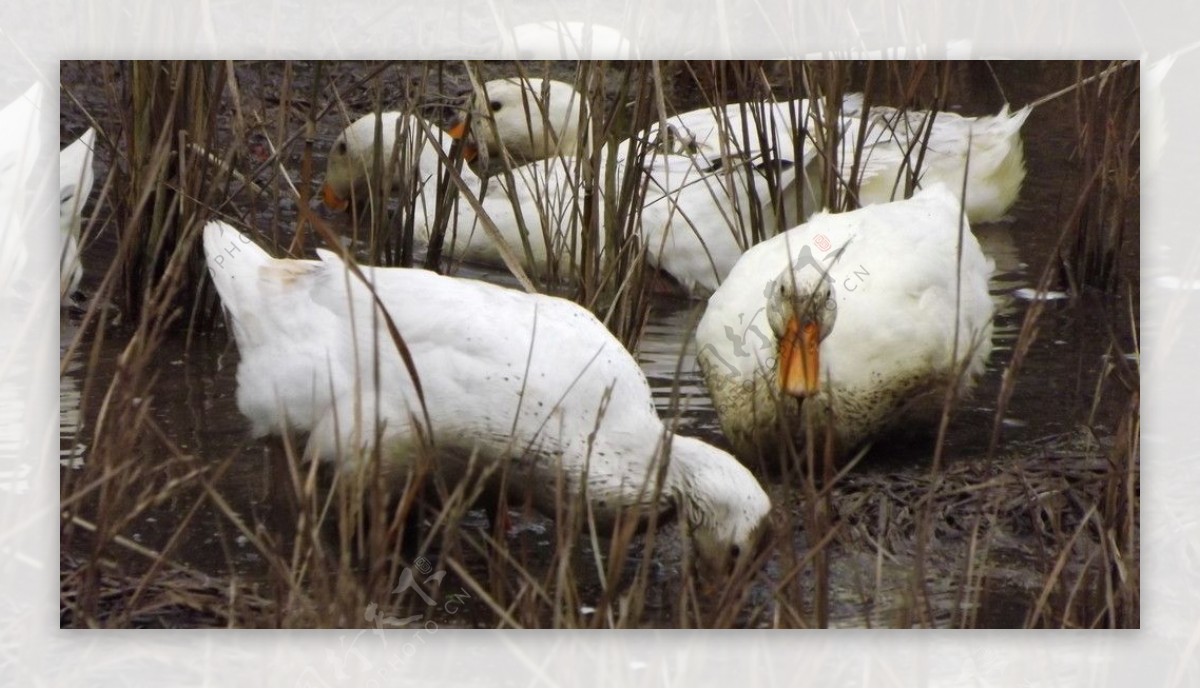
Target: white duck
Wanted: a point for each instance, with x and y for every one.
(695, 224)
(75, 179)
(848, 319)
(530, 381)
(751, 133)
(537, 218)
(893, 146)
(714, 157)
(529, 118)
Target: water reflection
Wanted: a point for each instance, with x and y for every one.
(70, 425)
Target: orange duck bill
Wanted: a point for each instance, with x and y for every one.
(799, 362)
(459, 131)
(332, 200)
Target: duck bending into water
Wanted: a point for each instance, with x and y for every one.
(528, 381)
(856, 320)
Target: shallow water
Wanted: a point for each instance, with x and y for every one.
(194, 403)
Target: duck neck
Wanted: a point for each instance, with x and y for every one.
(432, 166)
(684, 483)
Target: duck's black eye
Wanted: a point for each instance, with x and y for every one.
(495, 105)
(340, 147)
(735, 550)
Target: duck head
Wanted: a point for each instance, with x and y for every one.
(725, 510)
(801, 310)
(350, 164)
(531, 118)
